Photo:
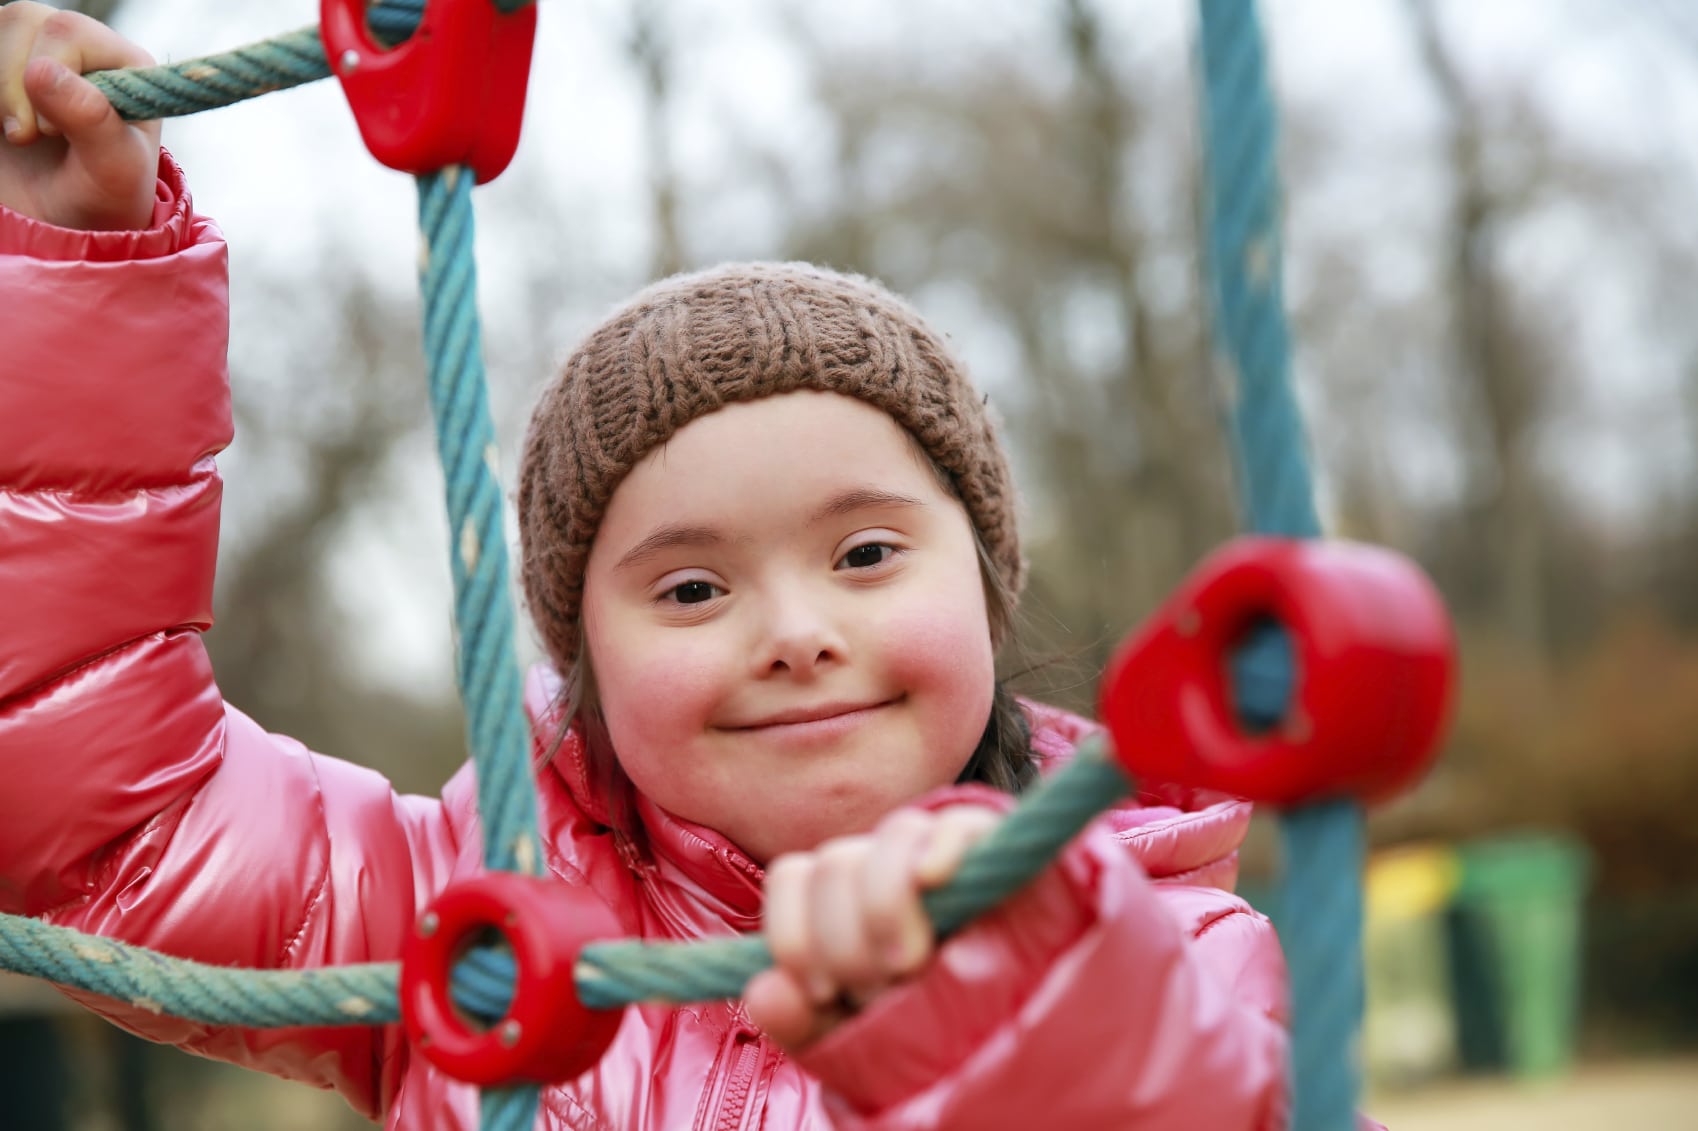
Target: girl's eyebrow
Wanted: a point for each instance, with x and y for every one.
(680, 534)
(666, 537)
(862, 498)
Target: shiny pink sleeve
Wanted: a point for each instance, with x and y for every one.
(1095, 999)
(133, 802)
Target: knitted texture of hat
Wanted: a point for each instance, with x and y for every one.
(694, 343)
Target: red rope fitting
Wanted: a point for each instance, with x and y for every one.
(452, 94)
(1375, 659)
(547, 1034)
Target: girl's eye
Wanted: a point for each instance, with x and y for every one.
(693, 592)
(869, 554)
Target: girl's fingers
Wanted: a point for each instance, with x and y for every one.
(45, 101)
(18, 26)
(68, 104)
(955, 831)
(45, 87)
(838, 918)
(897, 929)
(780, 1007)
(85, 44)
(788, 923)
(845, 920)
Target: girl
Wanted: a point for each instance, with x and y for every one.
(768, 541)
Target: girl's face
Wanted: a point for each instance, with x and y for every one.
(784, 615)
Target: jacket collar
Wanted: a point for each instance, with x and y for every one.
(697, 859)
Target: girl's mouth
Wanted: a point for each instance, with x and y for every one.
(821, 721)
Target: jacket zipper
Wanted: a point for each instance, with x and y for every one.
(741, 1083)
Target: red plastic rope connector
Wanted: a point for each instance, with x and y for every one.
(547, 1035)
(452, 94)
(1375, 657)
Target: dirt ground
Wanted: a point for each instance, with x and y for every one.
(1633, 1096)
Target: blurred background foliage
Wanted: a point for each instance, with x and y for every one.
(1490, 273)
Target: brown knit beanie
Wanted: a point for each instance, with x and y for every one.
(691, 344)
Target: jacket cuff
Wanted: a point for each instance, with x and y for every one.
(920, 1032)
(169, 232)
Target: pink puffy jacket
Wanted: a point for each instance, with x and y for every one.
(1125, 989)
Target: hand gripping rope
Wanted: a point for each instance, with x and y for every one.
(1290, 672)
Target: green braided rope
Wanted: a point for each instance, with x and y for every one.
(1320, 917)
(609, 975)
(218, 995)
(486, 663)
(486, 667)
(174, 90)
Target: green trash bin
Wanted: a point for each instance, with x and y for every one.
(1516, 952)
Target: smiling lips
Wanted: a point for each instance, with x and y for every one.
(801, 718)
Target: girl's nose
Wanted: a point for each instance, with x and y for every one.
(799, 637)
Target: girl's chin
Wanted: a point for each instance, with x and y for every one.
(836, 813)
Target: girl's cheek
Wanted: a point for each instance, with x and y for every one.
(945, 650)
(665, 687)
(945, 656)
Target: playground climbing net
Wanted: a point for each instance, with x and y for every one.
(546, 1017)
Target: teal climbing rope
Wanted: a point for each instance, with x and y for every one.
(1320, 912)
(175, 90)
(354, 994)
(487, 662)
(609, 975)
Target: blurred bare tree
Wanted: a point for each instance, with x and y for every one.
(347, 389)
(1015, 186)
(1499, 393)
(649, 48)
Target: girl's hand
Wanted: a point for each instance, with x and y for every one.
(67, 158)
(844, 921)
